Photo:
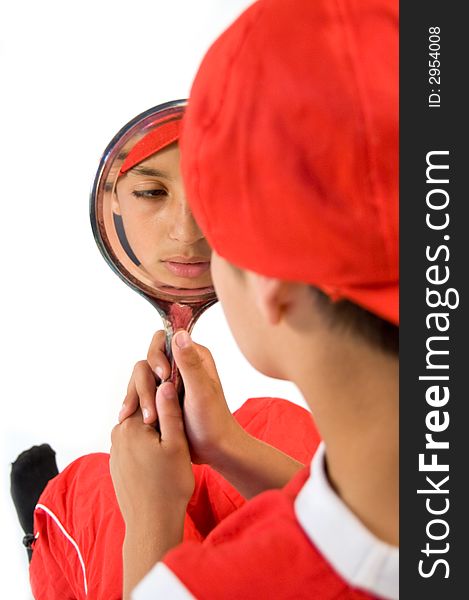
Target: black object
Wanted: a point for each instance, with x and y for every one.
(29, 475)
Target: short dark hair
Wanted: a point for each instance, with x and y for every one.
(349, 316)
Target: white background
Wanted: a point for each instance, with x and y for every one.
(71, 75)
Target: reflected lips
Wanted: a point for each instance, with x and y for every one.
(187, 267)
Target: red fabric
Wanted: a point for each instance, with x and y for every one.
(260, 552)
(82, 499)
(290, 146)
(163, 135)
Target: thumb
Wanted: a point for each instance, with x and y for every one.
(190, 363)
(169, 414)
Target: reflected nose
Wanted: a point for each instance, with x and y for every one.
(183, 227)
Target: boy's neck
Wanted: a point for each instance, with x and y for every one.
(354, 399)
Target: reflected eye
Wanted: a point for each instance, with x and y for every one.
(154, 193)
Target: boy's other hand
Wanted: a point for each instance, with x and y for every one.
(210, 427)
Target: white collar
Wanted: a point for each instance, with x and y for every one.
(355, 553)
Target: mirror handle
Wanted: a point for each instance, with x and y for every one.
(180, 316)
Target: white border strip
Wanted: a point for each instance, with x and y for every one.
(69, 538)
(359, 557)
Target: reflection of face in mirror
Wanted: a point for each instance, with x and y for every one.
(144, 227)
(158, 223)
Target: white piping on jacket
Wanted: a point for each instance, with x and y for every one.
(69, 538)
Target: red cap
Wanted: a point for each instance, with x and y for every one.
(165, 134)
(290, 146)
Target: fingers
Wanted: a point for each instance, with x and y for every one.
(194, 362)
(130, 402)
(170, 415)
(127, 424)
(141, 392)
(142, 386)
(156, 356)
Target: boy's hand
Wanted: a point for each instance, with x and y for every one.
(152, 472)
(153, 480)
(210, 426)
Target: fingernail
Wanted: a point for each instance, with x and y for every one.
(182, 339)
(159, 372)
(146, 413)
(168, 391)
(119, 416)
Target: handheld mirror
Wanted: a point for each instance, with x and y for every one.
(143, 225)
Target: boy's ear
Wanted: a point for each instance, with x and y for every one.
(273, 296)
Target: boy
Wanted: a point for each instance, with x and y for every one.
(289, 153)
(78, 528)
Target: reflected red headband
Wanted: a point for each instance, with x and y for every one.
(160, 137)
